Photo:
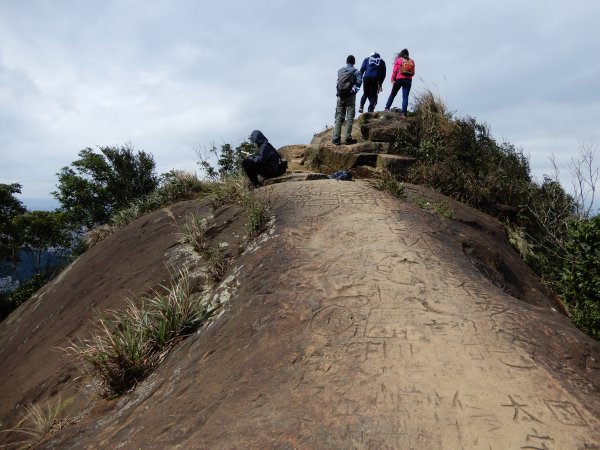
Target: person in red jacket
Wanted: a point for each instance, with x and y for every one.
(404, 70)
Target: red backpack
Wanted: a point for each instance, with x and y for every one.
(407, 67)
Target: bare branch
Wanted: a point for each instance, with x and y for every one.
(585, 175)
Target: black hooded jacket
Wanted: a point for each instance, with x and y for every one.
(267, 157)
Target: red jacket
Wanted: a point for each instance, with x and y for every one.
(396, 72)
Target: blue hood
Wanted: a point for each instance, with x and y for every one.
(256, 137)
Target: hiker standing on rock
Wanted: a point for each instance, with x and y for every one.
(404, 70)
(373, 73)
(348, 84)
(265, 163)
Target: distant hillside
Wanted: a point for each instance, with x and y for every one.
(40, 204)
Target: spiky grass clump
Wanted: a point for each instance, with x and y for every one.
(176, 185)
(175, 312)
(236, 190)
(128, 344)
(442, 209)
(194, 232)
(37, 423)
(232, 189)
(258, 215)
(120, 352)
(388, 183)
(216, 259)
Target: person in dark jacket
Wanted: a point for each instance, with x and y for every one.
(264, 163)
(373, 72)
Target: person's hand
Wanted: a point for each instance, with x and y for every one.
(380, 88)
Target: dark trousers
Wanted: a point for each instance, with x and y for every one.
(405, 84)
(371, 86)
(253, 169)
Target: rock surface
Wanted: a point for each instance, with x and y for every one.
(357, 321)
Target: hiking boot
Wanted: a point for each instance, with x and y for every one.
(360, 110)
(350, 141)
(335, 141)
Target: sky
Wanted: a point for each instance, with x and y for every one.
(172, 77)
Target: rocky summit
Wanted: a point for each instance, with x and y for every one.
(356, 320)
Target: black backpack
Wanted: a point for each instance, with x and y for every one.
(345, 83)
(283, 165)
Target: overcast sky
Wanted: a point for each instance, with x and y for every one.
(172, 76)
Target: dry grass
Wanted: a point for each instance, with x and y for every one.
(194, 231)
(98, 234)
(37, 423)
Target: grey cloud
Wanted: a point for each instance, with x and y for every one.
(171, 76)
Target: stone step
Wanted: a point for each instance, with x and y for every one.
(395, 164)
(365, 172)
(296, 164)
(385, 127)
(290, 152)
(308, 176)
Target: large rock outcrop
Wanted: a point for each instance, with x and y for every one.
(357, 321)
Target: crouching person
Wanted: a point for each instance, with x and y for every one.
(265, 163)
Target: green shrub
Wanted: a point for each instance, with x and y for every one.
(11, 300)
(579, 281)
(229, 160)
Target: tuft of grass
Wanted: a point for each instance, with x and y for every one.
(175, 312)
(128, 344)
(120, 351)
(175, 186)
(37, 423)
(442, 209)
(194, 231)
(98, 234)
(390, 185)
(233, 189)
(258, 215)
(216, 260)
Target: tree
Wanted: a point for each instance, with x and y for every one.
(10, 208)
(98, 184)
(229, 160)
(44, 236)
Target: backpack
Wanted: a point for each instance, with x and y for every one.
(283, 165)
(342, 175)
(345, 83)
(407, 67)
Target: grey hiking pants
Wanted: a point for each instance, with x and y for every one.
(344, 114)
